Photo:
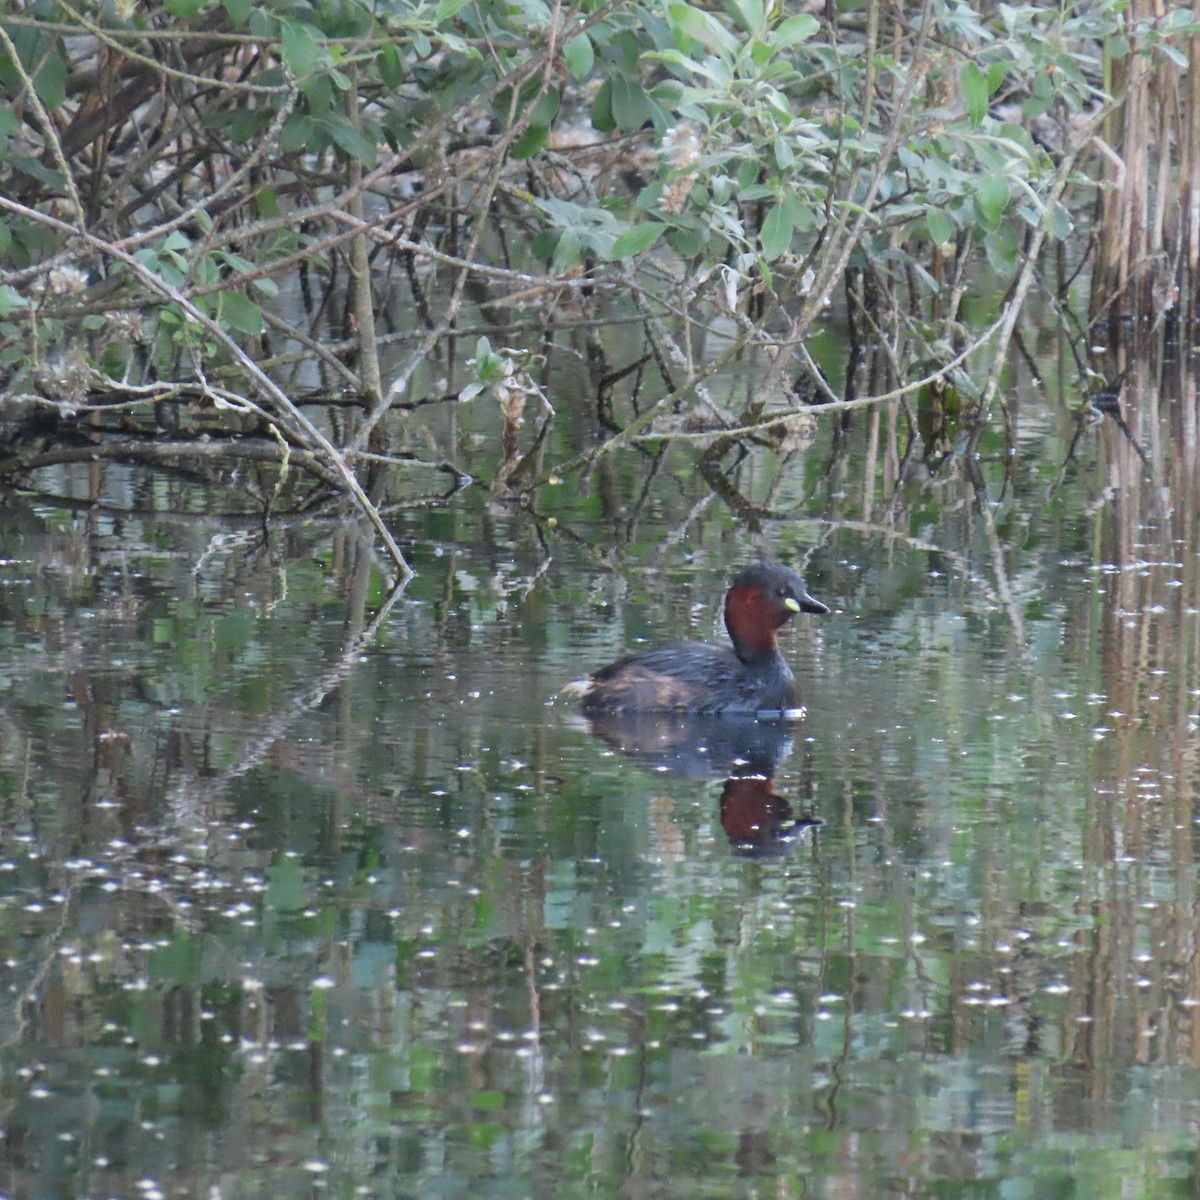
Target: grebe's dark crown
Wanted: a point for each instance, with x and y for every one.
(780, 584)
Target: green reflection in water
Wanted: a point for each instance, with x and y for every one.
(281, 914)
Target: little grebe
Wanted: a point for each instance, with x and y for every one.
(698, 677)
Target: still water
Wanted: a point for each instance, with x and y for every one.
(307, 891)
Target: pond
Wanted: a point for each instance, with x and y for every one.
(309, 889)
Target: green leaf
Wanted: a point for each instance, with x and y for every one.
(999, 70)
(566, 253)
(580, 56)
(352, 142)
(184, 8)
(51, 80)
(757, 191)
(798, 214)
(793, 30)
(991, 198)
(975, 92)
(776, 235)
(543, 244)
(546, 109)
(602, 114)
(267, 202)
(297, 133)
(636, 239)
(1061, 225)
(1002, 246)
(530, 142)
(240, 313)
(10, 298)
(630, 107)
(749, 14)
(702, 27)
(300, 49)
(391, 72)
(941, 225)
(9, 125)
(239, 10)
(29, 165)
(684, 66)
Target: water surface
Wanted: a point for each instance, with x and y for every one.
(301, 892)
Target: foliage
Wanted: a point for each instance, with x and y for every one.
(228, 147)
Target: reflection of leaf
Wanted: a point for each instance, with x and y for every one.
(485, 1134)
(232, 631)
(177, 962)
(423, 1068)
(285, 887)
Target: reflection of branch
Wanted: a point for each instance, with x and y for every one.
(255, 750)
(1000, 572)
(53, 939)
(1108, 403)
(890, 533)
(132, 450)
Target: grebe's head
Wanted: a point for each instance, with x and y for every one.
(761, 599)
